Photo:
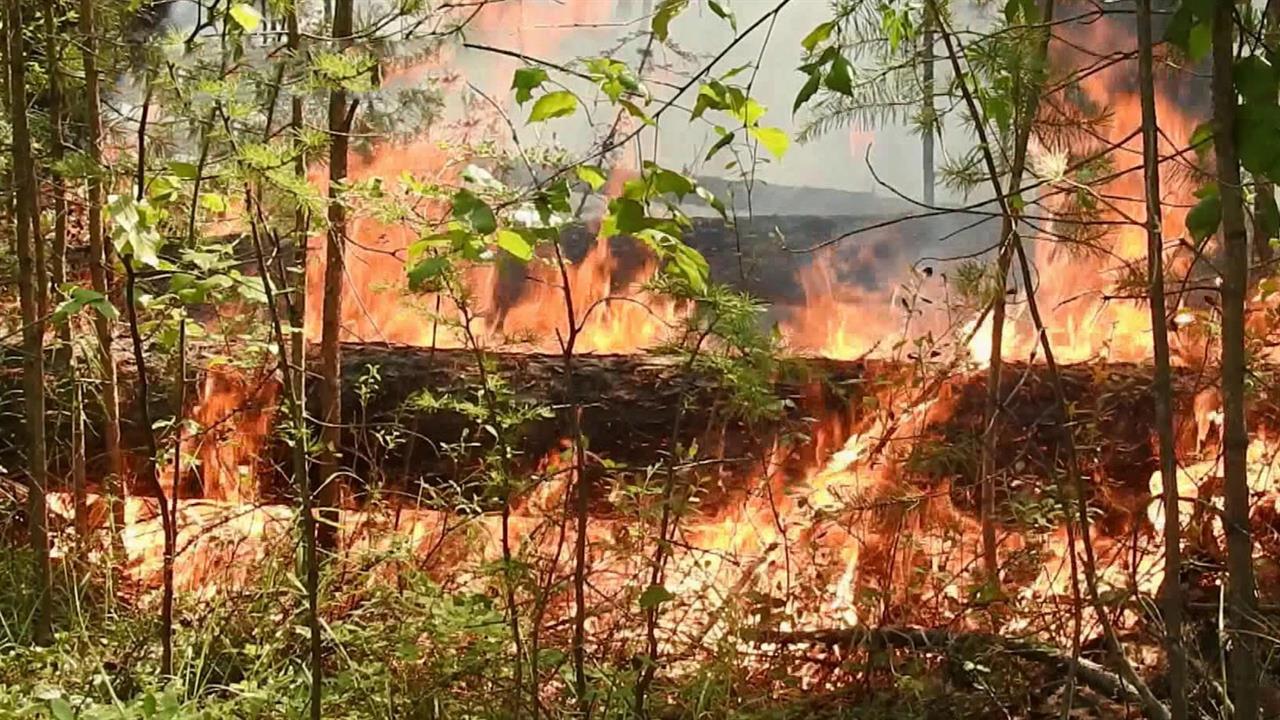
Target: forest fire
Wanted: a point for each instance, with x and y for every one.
(842, 527)
(590, 414)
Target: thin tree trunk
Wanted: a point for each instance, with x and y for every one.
(1162, 386)
(296, 299)
(927, 172)
(1008, 237)
(149, 473)
(328, 496)
(1265, 190)
(1241, 593)
(1153, 707)
(113, 483)
(64, 360)
(32, 325)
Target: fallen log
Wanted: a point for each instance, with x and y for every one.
(949, 642)
(394, 433)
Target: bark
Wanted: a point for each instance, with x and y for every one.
(1162, 384)
(33, 324)
(1242, 602)
(328, 494)
(113, 479)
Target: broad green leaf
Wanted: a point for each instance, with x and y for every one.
(1257, 129)
(61, 709)
(524, 82)
(1255, 79)
(817, 36)
(591, 175)
(807, 91)
(667, 12)
(747, 111)
(1268, 216)
(515, 244)
(653, 596)
(425, 274)
(1202, 138)
(691, 265)
(628, 214)
(474, 211)
(246, 16)
(840, 77)
(553, 105)
(184, 170)
(724, 13)
(668, 181)
(213, 202)
(1199, 40)
(773, 139)
(1204, 218)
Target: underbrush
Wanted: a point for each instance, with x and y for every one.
(399, 646)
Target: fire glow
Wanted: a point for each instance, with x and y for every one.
(845, 528)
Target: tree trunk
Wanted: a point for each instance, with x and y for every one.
(32, 323)
(296, 300)
(1241, 595)
(927, 173)
(113, 480)
(1162, 384)
(150, 476)
(1008, 238)
(64, 359)
(328, 496)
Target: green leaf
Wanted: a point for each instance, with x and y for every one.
(724, 13)
(634, 111)
(1202, 139)
(773, 139)
(725, 138)
(840, 77)
(628, 215)
(669, 181)
(474, 211)
(1199, 40)
(1204, 218)
(1257, 128)
(246, 16)
(515, 244)
(691, 265)
(591, 175)
(817, 36)
(653, 596)
(1268, 216)
(553, 105)
(213, 202)
(184, 170)
(424, 275)
(61, 709)
(667, 12)
(709, 198)
(524, 82)
(807, 91)
(1255, 79)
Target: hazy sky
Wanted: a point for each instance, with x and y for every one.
(560, 30)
